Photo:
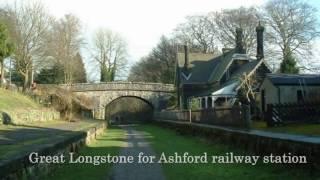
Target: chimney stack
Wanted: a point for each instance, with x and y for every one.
(239, 41)
(186, 57)
(259, 31)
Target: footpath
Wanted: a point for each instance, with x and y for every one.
(137, 142)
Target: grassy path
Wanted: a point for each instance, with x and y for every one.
(109, 143)
(137, 142)
(167, 141)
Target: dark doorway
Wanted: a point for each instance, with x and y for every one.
(128, 110)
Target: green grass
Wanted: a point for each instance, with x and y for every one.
(10, 100)
(304, 129)
(167, 141)
(108, 143)
(13, 149)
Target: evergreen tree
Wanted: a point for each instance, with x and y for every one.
(289, 64)
(79, 73)
(6, 49)
(53, 75)
(16, 77)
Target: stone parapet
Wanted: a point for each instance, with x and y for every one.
(113, 86)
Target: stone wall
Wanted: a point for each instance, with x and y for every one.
(113, 86)
(258, 142)
(28, 116)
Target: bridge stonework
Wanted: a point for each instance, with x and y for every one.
(156, 94)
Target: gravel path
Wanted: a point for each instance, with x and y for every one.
(136, 143)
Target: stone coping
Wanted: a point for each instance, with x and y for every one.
(283, 136)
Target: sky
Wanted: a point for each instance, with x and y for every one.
(140, 22)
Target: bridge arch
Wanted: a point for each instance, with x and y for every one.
(102, 94)
(130, 96)
(128, 109)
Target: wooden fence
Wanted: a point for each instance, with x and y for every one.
(278, 114)
(235, 116)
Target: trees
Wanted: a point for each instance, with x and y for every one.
(44, 42)
(198, 32)
(79, 73)
(218, 28)
(247, 88)
(226, 21)
(63, 46)
(65, 62)
(109, 51)
(165, 56)
(158, 66)
(52, 75)
(291, 27)
(6, 49)
(288, 65)
(28, 22)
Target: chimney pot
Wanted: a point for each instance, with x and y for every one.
(239, 41)
(259, 30)
(186, 57)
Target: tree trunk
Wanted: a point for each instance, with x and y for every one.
(103, 74)
(26, 81)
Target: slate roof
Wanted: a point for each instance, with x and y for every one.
(200, 65)
(205, 68)
(245, 68)
(294, 79)
(222, 66)
(207, 71)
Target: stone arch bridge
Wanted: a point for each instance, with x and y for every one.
(155, 94)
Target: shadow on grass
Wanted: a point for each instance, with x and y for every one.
(17, 140)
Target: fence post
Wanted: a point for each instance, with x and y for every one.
(269, 115)
(190, 118)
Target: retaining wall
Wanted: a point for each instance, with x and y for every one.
(20, 168)
(258, 142)
(28, 116)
